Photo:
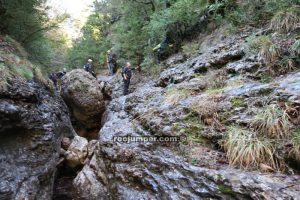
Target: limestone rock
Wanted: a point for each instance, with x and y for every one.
(77, 152)
(83, 95)
(32, 124)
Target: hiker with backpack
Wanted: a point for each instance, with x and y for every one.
(159, 49)
(110, 62)
(53, 77)
(61, 73)
(88, 67)
(56, 77)
(59, 76)
(126, 75)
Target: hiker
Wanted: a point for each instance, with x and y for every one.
(89, 67)
(61, 73)
(110, 62)
(53, 77)
(159, 49)
(59, 76)
(126, 75)
(139, 68)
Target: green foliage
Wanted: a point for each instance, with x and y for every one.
(27, 22)
(225, 189)
(23, 71)
(237, 102)
(254, 12)
(183, 12)
(95, 42)
(132, 29)
(191, 126)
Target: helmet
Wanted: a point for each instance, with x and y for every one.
(90, 60)
(64, 69)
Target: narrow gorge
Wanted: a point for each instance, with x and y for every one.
(229, 97)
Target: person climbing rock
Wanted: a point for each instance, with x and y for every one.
(53, 77)
(110, 62)
(59, 76)
(89, 67)
(126, 75)
(61, 73)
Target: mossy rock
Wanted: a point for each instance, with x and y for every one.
(226, 189)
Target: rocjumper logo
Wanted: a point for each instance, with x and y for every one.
(146, 139)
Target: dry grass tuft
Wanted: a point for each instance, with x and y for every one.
(38, 76)
(207, 107)
(174, 95)
(287, 20)
(295, 48)
(245, 150)
(288, 64)
(272, 121)
(270, 54)
(267, 50)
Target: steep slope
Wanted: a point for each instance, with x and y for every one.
(198, 100)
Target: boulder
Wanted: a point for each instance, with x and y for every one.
(242, 66)
(77, 152)
(32, 123)
(83, 95)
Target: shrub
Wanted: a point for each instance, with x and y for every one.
(268, 51)
(272, 121)
(286, 20)
(245, 150)
(270, 55)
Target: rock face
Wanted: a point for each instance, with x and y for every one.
(83, 95)
(122, 170)
(167, 107)
(77, 152)
(32, 123)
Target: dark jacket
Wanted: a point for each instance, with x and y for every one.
(60, 74)
(88, 67)
(52, 76)
(126, 71)
(110, 58)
